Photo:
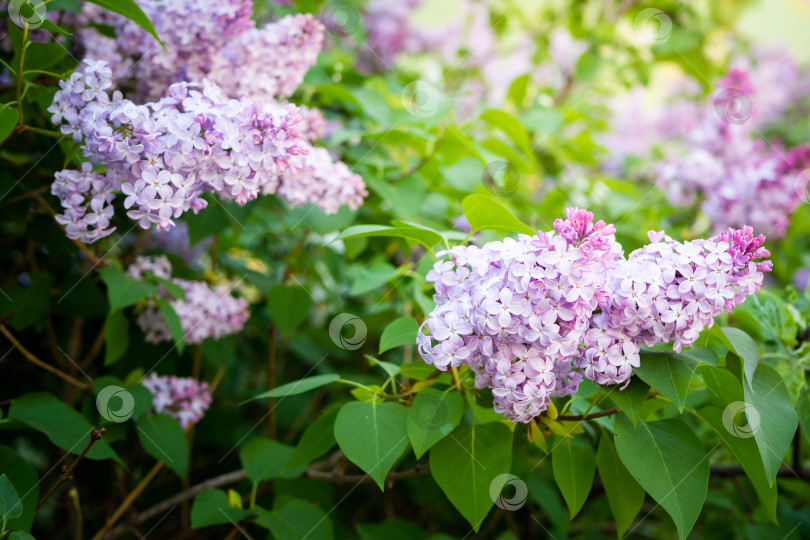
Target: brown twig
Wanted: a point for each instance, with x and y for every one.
(134, 494)
(34, 360)
(27, 195)
(337, 477)
(67, 471)
(598, 414)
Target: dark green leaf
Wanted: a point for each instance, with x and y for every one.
(632, 398)
(10, 503)
(26, 481)
(63, 425)
(318, 438)
(670, 373)
(803, 410)
(211, 507)
(164, 439)
(130, 10)
(400, 332)
(289, 306)
(624, 495)
(9, 116)
(469, 464)
(116, 333)
(432, 416)
(666, 458)
(264, 459)
(740, 344)
(173, 322)
(372, 435)
(123, 291)
(296, 520)
(573, 463)
(298, 387)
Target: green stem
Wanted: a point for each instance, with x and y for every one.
(20, 71)
(357, 384)
(41, 131)
(253, 490)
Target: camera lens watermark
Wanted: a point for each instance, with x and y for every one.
(23, 12)
(801, 186)
(421, 98)
(741, 419)
(430, 412)
(501, 178)
(653, 26)
(733, 106)
(348, 331)
(339, 17)
(517, 500)
(115, 404)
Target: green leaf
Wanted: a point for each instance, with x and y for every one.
(25, 480)
(19, 535)
(116, 334)
(746, 452)
(130, 10)
(511, 126)
(390, 368)
(372, 277)
(467, 464)
(317, 439)
(41, 56)
(298, 387)
(372, 435)
(740, 344)
(486, 213)
(400, 332)
(173, 322)
(171, 287)
(422, 236)
(9, 116)
(121, 409)
(395, 529)
(211, 507)
(666, 458)
(670, 373)
(777, 419)
(62, 424)
(632, 398)
(624, 495)
(432, 416)
(264, 459)
(295, 520)
(289, 307)
(123, 291)
(164, 439)
(723, 386)
(573, 463)
(10, 503)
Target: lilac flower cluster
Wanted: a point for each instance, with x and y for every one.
(740, 177)
(217, 41)
(533, 316)
(204, 313)
(164, 155)
(184, 398)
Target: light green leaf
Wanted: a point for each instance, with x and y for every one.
(211, 507)
(390, 368)
(486, 213)
(317, 439)
(740, 344)
(264, 459)
(164, 439)
(771, 417)
(745, 451)
(296, 520)
(422, 236)
(372, 435)
(666, 458)
(573, 463)
(624, 495)
(130, 10)
(372, 277)
(511, 126)
(298, 387)
(469, 464)
(10, 503)
(432, 416)
(62, 424)
(670, 373)
(400, 332)
(632, 398)
(123, 291)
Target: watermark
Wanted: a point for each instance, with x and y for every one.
(741, 419)
(348, 331)
(801, 186)
(339, 17)
(23, 12)
(429, 412)
(517, 500)
(653, 26)
(501, 178)
(115, 404)
(733, 106)
(421, 98)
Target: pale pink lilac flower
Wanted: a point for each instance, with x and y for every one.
(183, 398)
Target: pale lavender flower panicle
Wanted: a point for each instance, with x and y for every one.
(532, 317)
(184, 398)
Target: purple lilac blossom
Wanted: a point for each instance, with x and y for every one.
(184, 398)
(533, 316)
(205, 312)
